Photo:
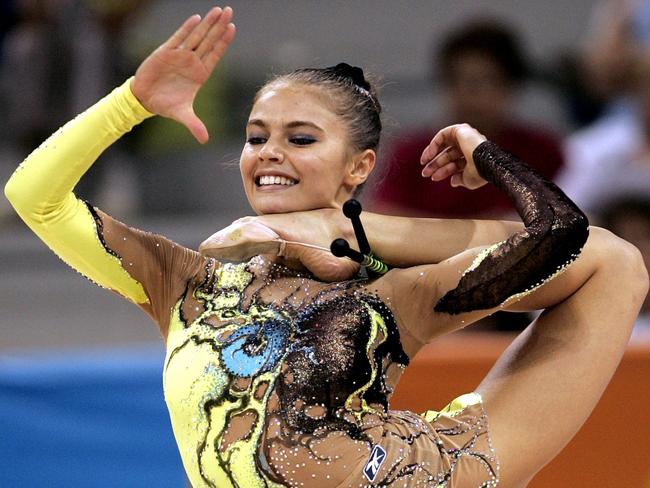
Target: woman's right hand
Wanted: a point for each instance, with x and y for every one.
(450, 155)
(302, 236)
(167, 82)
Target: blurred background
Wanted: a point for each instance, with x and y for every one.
(564, 85)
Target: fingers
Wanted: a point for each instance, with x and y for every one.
(208, 38)
(456, 180)
(215, 33)
(448, 162)
(199, 32)
(454, 144)
(211, 59)
(446, 156)
(183, 32)
(445, 172)
(444, 138)
(197, 128)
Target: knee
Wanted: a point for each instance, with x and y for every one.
(622, 259)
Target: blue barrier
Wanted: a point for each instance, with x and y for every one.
(86, 419)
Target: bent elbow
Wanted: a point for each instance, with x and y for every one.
(23, 198)
(575, 227)
(13, 193)
(568, 235)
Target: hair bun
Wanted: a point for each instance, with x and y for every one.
(354, 73)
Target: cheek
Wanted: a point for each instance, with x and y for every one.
(246, 160)
(325, 173)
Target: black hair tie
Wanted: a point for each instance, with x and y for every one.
(354, 73)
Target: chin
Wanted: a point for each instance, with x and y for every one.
(281, 205)
(276, 207)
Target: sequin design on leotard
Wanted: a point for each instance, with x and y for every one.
(292, 390)
(279, 371)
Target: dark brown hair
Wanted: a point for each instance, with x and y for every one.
(353, 99)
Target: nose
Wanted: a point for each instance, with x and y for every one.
(270, 151)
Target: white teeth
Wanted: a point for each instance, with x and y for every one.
(276, 180)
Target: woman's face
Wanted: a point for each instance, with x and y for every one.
(297, 155)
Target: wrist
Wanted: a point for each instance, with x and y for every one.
(343, 227)
(134, 101)
(486, 158)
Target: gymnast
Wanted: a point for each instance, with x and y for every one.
(280, 365)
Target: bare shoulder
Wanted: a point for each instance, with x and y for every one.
(393, 289)
(412, 294)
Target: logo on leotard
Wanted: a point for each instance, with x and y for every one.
(377, 457)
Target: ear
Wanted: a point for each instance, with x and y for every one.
(360, 167)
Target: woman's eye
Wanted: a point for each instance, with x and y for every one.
(256, 140)
(302, 140)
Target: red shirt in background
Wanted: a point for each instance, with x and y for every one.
(402, 189)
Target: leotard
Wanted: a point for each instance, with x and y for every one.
(271, 378)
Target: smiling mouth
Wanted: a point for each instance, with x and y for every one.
(262, 181)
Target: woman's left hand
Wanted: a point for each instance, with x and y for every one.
(302, 236)
(450, 154)
(167, 81)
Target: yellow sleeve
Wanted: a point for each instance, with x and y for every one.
(40, 190)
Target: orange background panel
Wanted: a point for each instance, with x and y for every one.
(611, 450)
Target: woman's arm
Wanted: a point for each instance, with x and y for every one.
(548, 381)
(143, 268)
(40, 190)
(402, 242)
(437, 299)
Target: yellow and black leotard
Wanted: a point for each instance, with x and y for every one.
(271, 378)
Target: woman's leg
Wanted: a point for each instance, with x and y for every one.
(545, 385)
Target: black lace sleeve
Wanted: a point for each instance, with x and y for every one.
(555, 231)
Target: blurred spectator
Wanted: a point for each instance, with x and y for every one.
(629, 218)
(7, 20)
(60, 56)
(481, 66)
(611, 156)
(595, 79)
(608, 162)
(100, 65)
(35, 69)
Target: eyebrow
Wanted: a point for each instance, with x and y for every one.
(289, 125)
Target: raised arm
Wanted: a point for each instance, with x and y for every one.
(568, 355)
(146, 269)
(475, 283)
(401, 242)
